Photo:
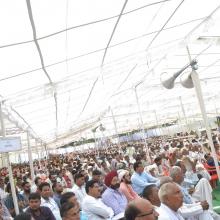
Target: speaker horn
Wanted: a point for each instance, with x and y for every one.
(186, 81)
(167, 80)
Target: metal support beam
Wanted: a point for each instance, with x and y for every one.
(11, 180)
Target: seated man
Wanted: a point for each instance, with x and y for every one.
(191, 209)
(203, 191)
(171, 199)
(97, 176)
(140, 179)
(69, 197)
(151, 194)
(8, 202)
(69, 211)
(47, 200)
(26, 186)
(140, 209)
(4, 213)
(112, 197)
(57, 192)
(92, 204)
(36, 211)
(125, 185)
(79, 188)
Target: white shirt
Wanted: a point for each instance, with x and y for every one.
(3, 194)
(80, 193)
(34, 188)
(52, 205)
(165, 213)
(95, 209)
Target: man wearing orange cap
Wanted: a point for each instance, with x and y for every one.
(112, 197)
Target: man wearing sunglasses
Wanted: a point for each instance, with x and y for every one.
(140, 209)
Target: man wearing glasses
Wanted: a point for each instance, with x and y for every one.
(140, 209)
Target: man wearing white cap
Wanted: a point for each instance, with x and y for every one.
(125, 185)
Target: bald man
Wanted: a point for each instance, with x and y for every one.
(140, 209)
(171, 199)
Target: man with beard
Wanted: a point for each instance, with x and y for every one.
(26, 192)
(125, 185)
(38, 212)
(57, 189)
(46, 200)
(92, 204)
(112, 197)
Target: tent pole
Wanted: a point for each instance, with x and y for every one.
(11, 180)
(197, 85)
(115, 126)
(142, 124)
(30, 157)
(157, 123)
(184, 113)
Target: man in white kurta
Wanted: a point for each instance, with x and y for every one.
(92, 204)
(79, 188)
(193, 210)
(187, 211)
(171, 200)
(47, 201)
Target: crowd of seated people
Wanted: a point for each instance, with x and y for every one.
(116, 182)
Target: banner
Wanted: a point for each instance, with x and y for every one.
(10, 144)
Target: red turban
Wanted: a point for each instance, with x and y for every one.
(109, 177)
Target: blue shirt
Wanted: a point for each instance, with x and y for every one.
(141, 180)
(83, 216)
(114, 199)
(57, 198)
(186, 197)
(10, 204)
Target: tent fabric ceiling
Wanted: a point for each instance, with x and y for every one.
(64, 63)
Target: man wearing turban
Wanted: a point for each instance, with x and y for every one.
(112, 197)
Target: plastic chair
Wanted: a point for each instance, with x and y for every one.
(212, 171)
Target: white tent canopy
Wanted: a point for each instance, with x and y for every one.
(65, 63)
